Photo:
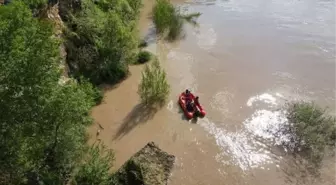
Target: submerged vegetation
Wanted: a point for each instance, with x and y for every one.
(143, 57)
(169, 20)
(312, 130)
(153, 88)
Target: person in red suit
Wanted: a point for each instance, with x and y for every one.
(189, 100)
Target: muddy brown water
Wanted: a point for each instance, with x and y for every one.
(245, 60)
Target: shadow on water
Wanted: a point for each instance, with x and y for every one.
(140, 114)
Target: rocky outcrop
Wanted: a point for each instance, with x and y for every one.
(149, 166)
(51, 12)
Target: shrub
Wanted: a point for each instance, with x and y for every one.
(175, 29)
(169, 20)
(312, 129)
(144, 56)
(95, 169)
(153, 87)
(163, 11)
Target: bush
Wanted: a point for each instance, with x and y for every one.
(95, 169)
(154, 87)
(169, 20)
(163, 11)
(144, 56)
(312, 130)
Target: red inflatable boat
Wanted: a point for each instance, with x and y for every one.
(197, 111)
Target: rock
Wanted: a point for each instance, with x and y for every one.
(149, 166)
(51, 13)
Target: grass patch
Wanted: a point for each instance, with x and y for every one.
(169, 20)
(154, 88)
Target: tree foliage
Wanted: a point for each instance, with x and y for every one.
(35, 4)
(103, 40)
(153, 87)
(96, 166)
(42, 122)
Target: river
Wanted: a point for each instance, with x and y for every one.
(245, 60)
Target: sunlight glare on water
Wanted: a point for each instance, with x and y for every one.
(244, 149)
(237, 144)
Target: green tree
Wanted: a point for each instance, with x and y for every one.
(95, 168)
(42, 122)
(35, 4)
(153, 88)
(103, 40)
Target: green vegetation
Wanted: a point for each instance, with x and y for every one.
(313, 131)
(44, 120)
(144, 56)
(102, 40)
(91, 90)
(169, 20)
(43, 123)
(153, 87)
(95, 169)
(35, 4)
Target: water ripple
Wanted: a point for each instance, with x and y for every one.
(206, 36)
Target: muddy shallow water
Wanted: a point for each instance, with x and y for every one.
(244, 60)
